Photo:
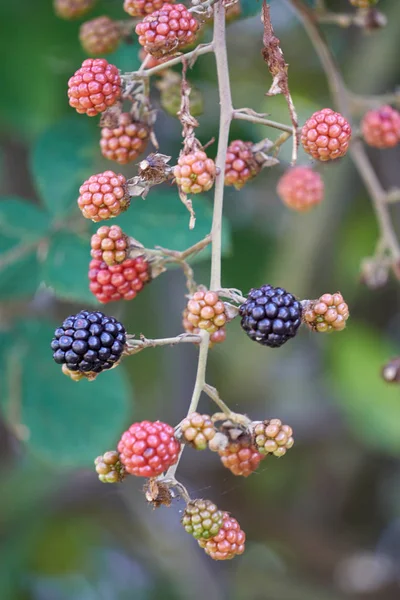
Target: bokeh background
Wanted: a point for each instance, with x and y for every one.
(324, 522)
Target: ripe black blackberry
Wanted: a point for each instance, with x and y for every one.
(89, 342)
(270, 316)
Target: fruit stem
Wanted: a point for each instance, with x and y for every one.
(244, 116)
(343, 101)
(226, 114)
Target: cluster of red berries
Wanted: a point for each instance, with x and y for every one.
(240, 165)
(167, 30)
(381, 127)
(100, 36)
(103, 196)
(72, 9)
(328, 313)
(94, 87)
(241, 447)
(125, 142)
(195, 172)
(109, 244)
(120, 281)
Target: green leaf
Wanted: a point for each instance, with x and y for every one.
(68, 423)
(62, 158)
(371, 406)
(22, 227)
(162, 220)
(66, 267)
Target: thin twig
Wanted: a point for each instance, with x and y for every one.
(134, 346)
(238, 114)
(189, 56)
(219, 46)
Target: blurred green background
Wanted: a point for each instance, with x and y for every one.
(324, 522)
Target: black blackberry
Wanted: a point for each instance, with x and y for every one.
(89, 342)
(270, 316)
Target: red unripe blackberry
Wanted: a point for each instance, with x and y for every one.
(142, 8)
(72, 9)
(240, 164)
(270, 316)
(195, 172)
(147, 449)
(109, 244)
(197, 430)
(125, 142)
(326, 135)
(217, 337)
(381, 127)
(100, 36)
(228, 543)
(94, 87)
(167, 30)
(89, 342)
(272, 437)
(206, 311)
(241, 457)
(119, 282)
(103, 196)
(301, 188)
(202, 519)
(326, 314)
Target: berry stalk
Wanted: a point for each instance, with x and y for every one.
(226, 113)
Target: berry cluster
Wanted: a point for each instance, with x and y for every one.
(228, 543)
(240, 457)
(271, 437)
(109, 467)
(109, 244)
(202, 519)
(195, 173)
(197, 430)
(94, 87)
(147, 449)
(326, 135)
(240, 165)
(381, 127)
(301, 188)
(125, 142)
(270, 316)
(103, 196)
(217, 337)
(167, 30)
(72, 9)
(329, 313)
(206, 311)
(118, 282)
(89, 342)
(100, 36)
(142, 8)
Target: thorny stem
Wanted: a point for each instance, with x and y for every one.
(357, 152)
(226, 113)
(189, 56)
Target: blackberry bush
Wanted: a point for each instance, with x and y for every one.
(90, 342)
